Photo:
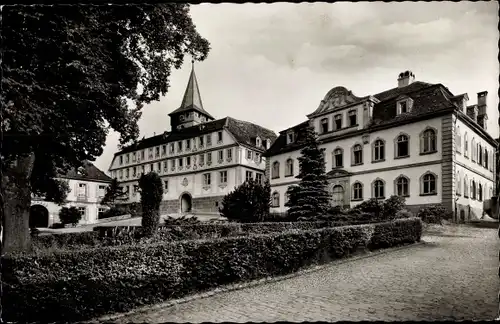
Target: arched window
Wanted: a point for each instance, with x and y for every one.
(378, 189)
(352, 118)
(378, 150)
(473, 189)
(338, 159)
(289, 168)
(324, 125)
(486, 158)
(357, 191)
(357, 154)
(473, 148)
(458, 184)
(338, 196)
(480, 153)
(479, 192)
(458, 139)
(466, 187)
(275, 199)
(402, 186)
(402, 146)
(276, 170)
(428, 141)
(429, 184)
(466, 145)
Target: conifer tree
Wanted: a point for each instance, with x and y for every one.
(311, 198)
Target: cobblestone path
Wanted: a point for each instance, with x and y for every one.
(452, 277)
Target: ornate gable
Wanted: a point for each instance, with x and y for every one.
(338, 173)
(336, 98)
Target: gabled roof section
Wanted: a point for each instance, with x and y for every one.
(88, 172)
(192, 97)
(280, 146)
(395, 92)
(246, 132)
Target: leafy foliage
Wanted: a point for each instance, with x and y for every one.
(72, 73)
(183, 220)
(250, 202)
(433, 214)
(373, 206)
(135, 275)
(151, 196)
(114, 192)
(391, 206)
(311, 198)
(70, 215)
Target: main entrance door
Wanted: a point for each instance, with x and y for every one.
(39, 216)
(186, 203)
(338, 196)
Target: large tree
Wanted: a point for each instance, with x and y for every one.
(70, 74)
(114, 193)
(310, 198)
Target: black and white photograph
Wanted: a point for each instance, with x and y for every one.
(250, 162)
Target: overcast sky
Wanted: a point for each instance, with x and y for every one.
(272, 64)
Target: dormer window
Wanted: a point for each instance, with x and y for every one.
(324, 125)
(404, 105)
(338, 121)
(257, 141)
(353, 120)
(290, 138)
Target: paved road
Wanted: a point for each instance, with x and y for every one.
(453, 277)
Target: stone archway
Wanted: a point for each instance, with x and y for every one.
(186, 203)
(338, 196)
(39, 216)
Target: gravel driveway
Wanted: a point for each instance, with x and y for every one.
(454, 276)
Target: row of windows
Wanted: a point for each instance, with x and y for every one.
(180, 164)
(472, 189)
(352, 120)
(479, 154)
(207, 181)
(428, 186)
(84, 192)
(428, 145)
(161, 151)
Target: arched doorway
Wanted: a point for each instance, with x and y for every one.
(186, 203)
(338, 196)
(39, 216)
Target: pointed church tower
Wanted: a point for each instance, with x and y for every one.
(191, 111)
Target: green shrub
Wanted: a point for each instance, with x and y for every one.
(433, 214)
(248, 203)
(65, 241)
(151, 188)
(70, 215)
(183, 220)
(80, 285)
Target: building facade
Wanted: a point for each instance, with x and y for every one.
(199, 161)
(417, 140)
(87, 188)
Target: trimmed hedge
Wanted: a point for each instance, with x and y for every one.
(84, 284)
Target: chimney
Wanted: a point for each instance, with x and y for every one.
(472, 112)
(405, 78)
(482, 107)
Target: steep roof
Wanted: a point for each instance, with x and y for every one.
(192, 98)
(89, 172)
(427, 98)
(244, 133)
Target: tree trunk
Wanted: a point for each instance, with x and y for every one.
(16, 196)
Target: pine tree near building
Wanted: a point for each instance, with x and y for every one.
(311, 198)
(113, 194)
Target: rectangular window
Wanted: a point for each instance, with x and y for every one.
(403, 108)
(121, 159)
(209, 139)
(157, 151)
(229, 154)
(249, 154)
(82, 211)
(221, 155)
(338, 121)
(290, 138)
(180, 162)
(165, 166)
(163, 150)
(82, 190)
(127, 173)
(127, 159)
(165, 185)
(150, 154)
(158, 167)
(202, 159)
(223, 176)
(353, 121)
(100, 212)
(219, 137)
(179, 147)
(134, 157)
(143, 154)
(173, 164)
(101, 191)
(188, 144)
(172, 148)
(201, 141)
(248, 175)
(143, 170)
(206, 179)
(188, 160)
(151, 167)
(258, 158)
(120, 174)
(258, 177)
(324, 125)
(134, 171)
(209, 157)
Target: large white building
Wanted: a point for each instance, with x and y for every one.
(199, 161)
(417, 140)
(87, 188)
